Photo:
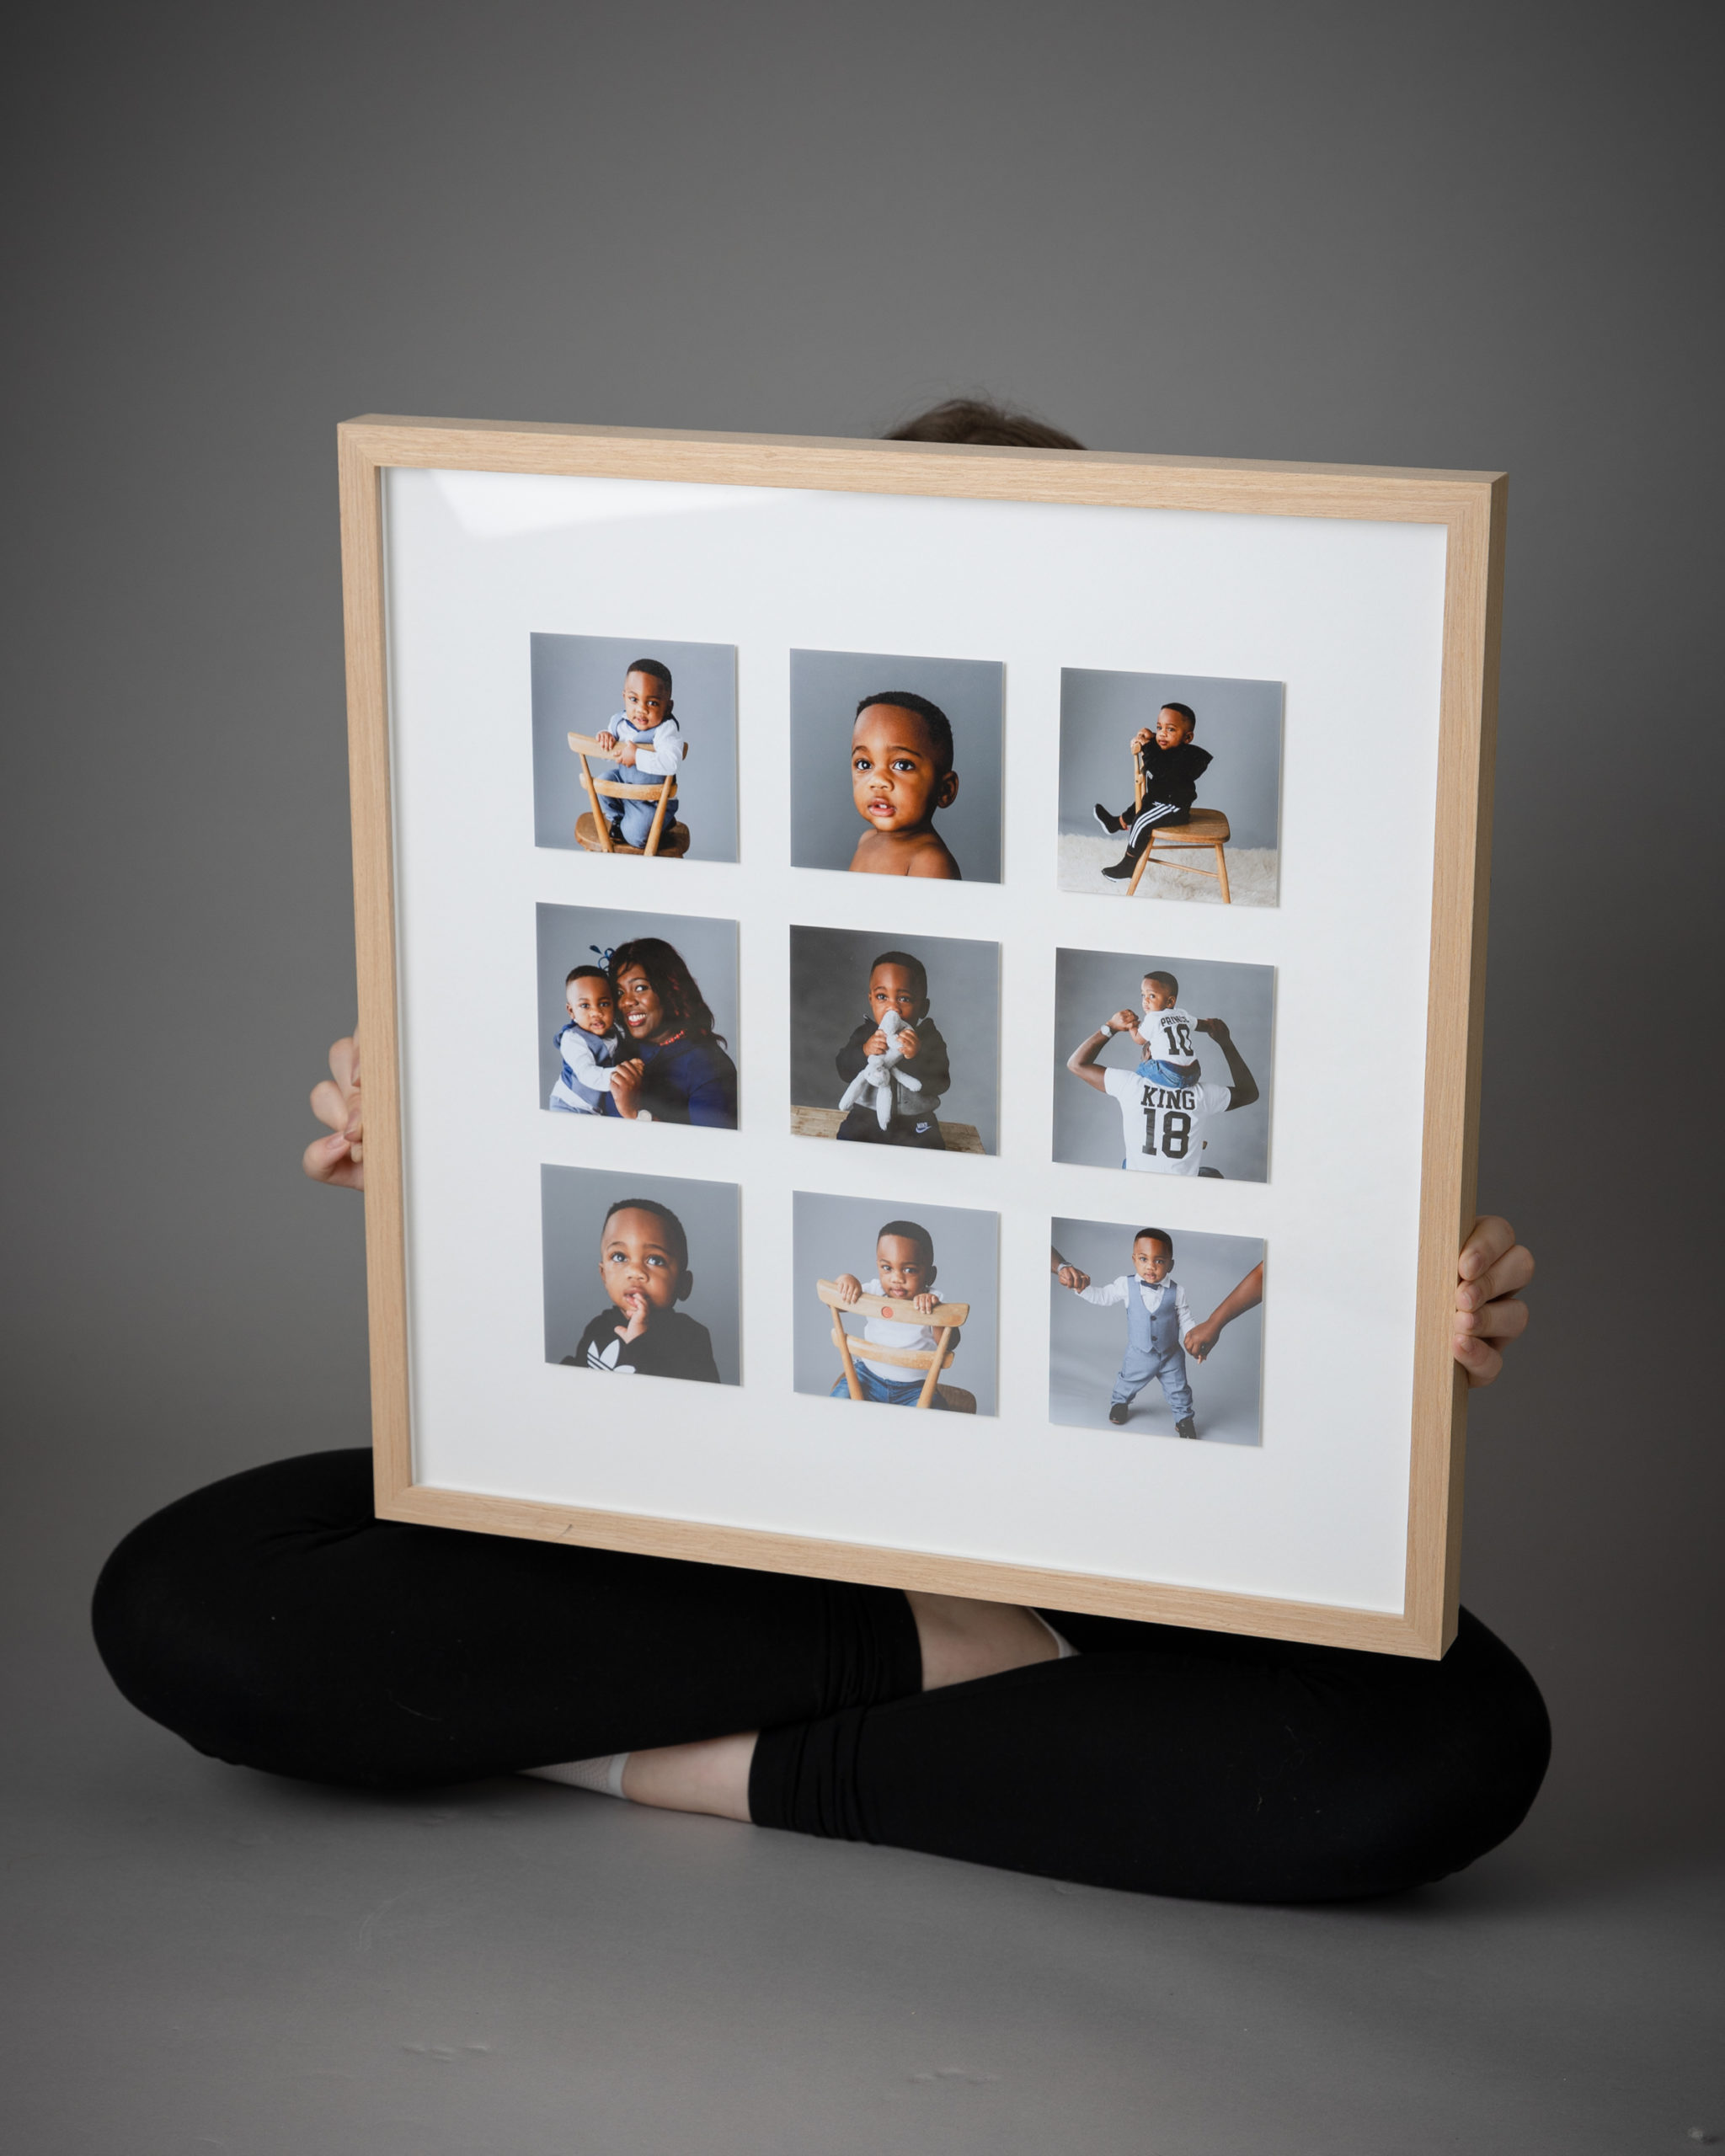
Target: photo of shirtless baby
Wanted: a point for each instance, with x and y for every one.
(896, 765)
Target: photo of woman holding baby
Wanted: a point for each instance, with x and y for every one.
(682, 1072)
(629, 1030)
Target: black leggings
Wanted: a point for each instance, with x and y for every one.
(273, 1621)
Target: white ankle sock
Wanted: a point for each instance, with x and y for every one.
(603, 1776)
(1067, 1648)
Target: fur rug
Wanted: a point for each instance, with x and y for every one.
(1252, 873)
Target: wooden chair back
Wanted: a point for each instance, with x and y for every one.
(946, 1317)
(664, 791)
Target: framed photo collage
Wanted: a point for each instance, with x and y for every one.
(920, 1009)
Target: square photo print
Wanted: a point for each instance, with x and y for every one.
(896, 1303)
(641, 1276)
(1171, 787)
(637, 1015)
(1158, 1333)
(896, 765)
(895, 1040)
(1162, 1064)
(635, 747)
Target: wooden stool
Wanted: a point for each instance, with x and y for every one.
(1198, 828)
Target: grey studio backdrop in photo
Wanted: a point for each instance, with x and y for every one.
(826, 686)
(572, 1204)
(1240, 723)
(569, 936)
(833, 1235)
(1087, 1345)
(830, 970)
(1091, 985)
(577, 687)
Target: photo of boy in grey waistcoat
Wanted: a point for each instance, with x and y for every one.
(1158, 1323)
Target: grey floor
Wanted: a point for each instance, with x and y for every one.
(201, 1958)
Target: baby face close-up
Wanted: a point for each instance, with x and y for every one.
(646, 700)
(591, 1005)
(637, 1262)
(904, 1274)
(894, 988)
(897, 778)
(1157, 996)
(1171, 728)
(1152, 1261)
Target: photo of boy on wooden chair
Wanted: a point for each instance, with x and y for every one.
(1167, 766)
(904, 1258)
(638, 756)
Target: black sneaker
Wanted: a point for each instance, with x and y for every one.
(1109, 824)
(1186, 1428)
(1118, 1410)
(1122, 868)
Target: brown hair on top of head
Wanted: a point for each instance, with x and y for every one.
(982, 421)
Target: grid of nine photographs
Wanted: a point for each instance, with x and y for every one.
(1162, 1063)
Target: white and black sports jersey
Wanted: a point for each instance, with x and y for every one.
(1171, 1036)
(1164, 1125)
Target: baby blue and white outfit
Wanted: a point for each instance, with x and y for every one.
(659, 752)
(1157, 1320)
(585, 1077)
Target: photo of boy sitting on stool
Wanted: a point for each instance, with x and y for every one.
(914, 1353)
(1170, 764)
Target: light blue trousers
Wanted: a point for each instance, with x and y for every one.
(1142, 1367)
(634, 819)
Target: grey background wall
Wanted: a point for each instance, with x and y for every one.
(835, 1235)
(573, 1205)
(1475, 236)
(829, 995)
(1090, 984)
(1087, 1345)
(1240, 723)
(567, 937)
(578, 686)
(826, 687)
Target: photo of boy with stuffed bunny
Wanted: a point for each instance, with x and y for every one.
(895, 1040)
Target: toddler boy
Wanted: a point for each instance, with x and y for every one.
(901, 771)
(898, 982)
(643, 1261)
(1172, 765)
(903, 1256)
(1166, 1034)
(1157, 1321)
(647, 743)
(591, 1043)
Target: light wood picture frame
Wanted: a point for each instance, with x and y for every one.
(1342, 1524)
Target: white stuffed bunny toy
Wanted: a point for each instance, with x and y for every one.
(881, 1074)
